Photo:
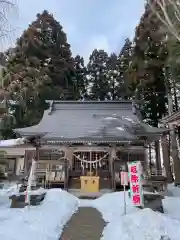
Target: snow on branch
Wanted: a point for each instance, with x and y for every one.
(168, 12)
(7, 9)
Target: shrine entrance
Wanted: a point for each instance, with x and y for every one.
(92, 168)
(91, 163)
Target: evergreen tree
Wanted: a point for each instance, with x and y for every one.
(119, 78)
(112, 76)
(149, 56)
(124, 85)
(26, 80)
(81, 78)
(97, 75)
(172, 69)
(40, 67)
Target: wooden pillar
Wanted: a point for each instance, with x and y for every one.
(29, 154)
(145, 163)
(166, 158)
(69, 156)
(66, 172)
(158, 156)
(25, 163)
(68, 165)
(175, 156)
(112, 157)
(150, 158)
(37, 146)
(15, 165)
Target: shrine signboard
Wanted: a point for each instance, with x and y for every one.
(135, 180)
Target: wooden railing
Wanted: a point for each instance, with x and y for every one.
(156, 172)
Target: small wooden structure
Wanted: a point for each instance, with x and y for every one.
(89, 184)
(75, 138)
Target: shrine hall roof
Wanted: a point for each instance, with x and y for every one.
(96, 121)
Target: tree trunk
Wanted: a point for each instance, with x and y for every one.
(166, 158)
(175, 98)
(179, 135)
(175, 157)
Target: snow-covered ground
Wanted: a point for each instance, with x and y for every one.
(171, 203)
(7, 190)
(136, 224)
(110, 205)
(45, 222)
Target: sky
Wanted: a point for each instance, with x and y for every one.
(89, 24)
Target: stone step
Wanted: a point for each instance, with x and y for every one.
(79, 194)
(86, 224)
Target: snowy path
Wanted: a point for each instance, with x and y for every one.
(86, 224)
(83, 220)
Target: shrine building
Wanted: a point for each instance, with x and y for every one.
(96, 139)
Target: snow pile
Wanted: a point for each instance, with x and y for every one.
(137, 224)
(171, 206)
(43, 222)
(38, 191)
(144, 224)
(171, 203)
(8, 190)
(173, 191)
(111, 205)
(46, 222)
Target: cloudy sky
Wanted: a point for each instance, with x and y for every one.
(89, 24)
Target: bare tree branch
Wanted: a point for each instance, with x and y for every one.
(8, 9)
(168, 12)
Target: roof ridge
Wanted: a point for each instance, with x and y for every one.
(89, 101)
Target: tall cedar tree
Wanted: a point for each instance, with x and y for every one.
(118, 73)
(40, 67)
(97, 75)
(81, 78)
(125, 87)
(112, 76)
(149, 58)
(173, 69)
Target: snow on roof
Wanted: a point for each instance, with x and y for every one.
(90, 121)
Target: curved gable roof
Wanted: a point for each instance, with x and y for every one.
(90, 121)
